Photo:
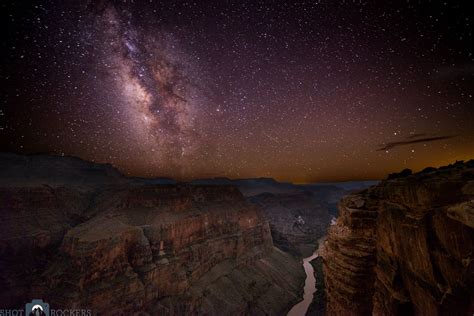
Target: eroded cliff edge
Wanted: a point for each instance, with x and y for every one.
(404, 247)
(80, 235)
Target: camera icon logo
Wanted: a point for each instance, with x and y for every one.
(37, 308)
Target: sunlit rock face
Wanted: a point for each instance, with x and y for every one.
(404, 246)
(122, 246)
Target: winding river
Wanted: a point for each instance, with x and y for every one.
(301, 308)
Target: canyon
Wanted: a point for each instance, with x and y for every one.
(298, 214)
(81, 235)
(404, 246)
(78, 234)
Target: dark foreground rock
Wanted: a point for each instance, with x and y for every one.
(404, 246)
(86, 237)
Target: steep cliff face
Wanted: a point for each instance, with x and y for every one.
(318, 305)
(404, 247)
(124, 246)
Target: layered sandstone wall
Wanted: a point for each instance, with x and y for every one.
(404, 247)
(151, 244)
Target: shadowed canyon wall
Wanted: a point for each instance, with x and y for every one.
(404, 246)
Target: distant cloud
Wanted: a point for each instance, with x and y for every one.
(414, 139)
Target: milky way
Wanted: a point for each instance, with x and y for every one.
(299, 91)
(155, 87)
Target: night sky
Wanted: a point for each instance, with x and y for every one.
(300, 91)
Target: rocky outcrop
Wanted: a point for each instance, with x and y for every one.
(404, 246)
(121, 246)
(297, 220)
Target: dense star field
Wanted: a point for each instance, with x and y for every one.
(301, 91)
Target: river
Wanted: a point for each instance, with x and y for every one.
(301, 308)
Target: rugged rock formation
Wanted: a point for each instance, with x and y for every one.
(404, 246)
(118, 245)
(299, 214)
(318, 306)
(297, 220)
